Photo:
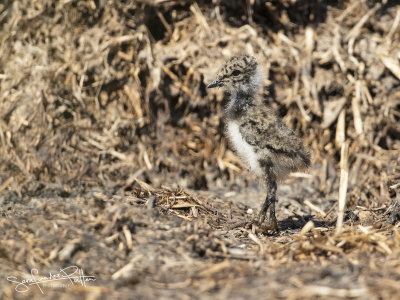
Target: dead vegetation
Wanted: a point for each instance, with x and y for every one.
(107, 134)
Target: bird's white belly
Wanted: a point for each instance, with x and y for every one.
(244, 150)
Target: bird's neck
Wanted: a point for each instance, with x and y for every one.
(246, 96)
(239, 102)
(242, 97)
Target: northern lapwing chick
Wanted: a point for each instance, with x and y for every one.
(261, 139)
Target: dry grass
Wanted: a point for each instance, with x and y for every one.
(107, 134)
(156, 245)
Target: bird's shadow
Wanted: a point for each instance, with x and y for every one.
(294, 223)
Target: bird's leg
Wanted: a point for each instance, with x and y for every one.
(269, 203)
(263, 210)
(273, 223)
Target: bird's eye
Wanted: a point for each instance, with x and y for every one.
(235, 72)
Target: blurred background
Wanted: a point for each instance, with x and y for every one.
(109, 95)
(113, 156)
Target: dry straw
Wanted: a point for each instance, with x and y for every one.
(344, 177)
(103, 105)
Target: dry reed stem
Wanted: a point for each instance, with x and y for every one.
(392, 64)
(315, 208)
(340, 129)
(344, 176)
(355, 104)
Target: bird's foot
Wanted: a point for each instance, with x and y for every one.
(271, 227)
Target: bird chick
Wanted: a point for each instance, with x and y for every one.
(261, 139)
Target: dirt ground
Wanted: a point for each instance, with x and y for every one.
(116, 181)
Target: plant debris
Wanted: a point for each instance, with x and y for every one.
(113, 157)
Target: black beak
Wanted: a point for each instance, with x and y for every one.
(216, 82)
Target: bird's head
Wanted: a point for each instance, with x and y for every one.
(239, 74)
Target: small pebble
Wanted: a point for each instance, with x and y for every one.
(366, 217)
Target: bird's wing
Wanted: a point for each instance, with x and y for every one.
(266, 131)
